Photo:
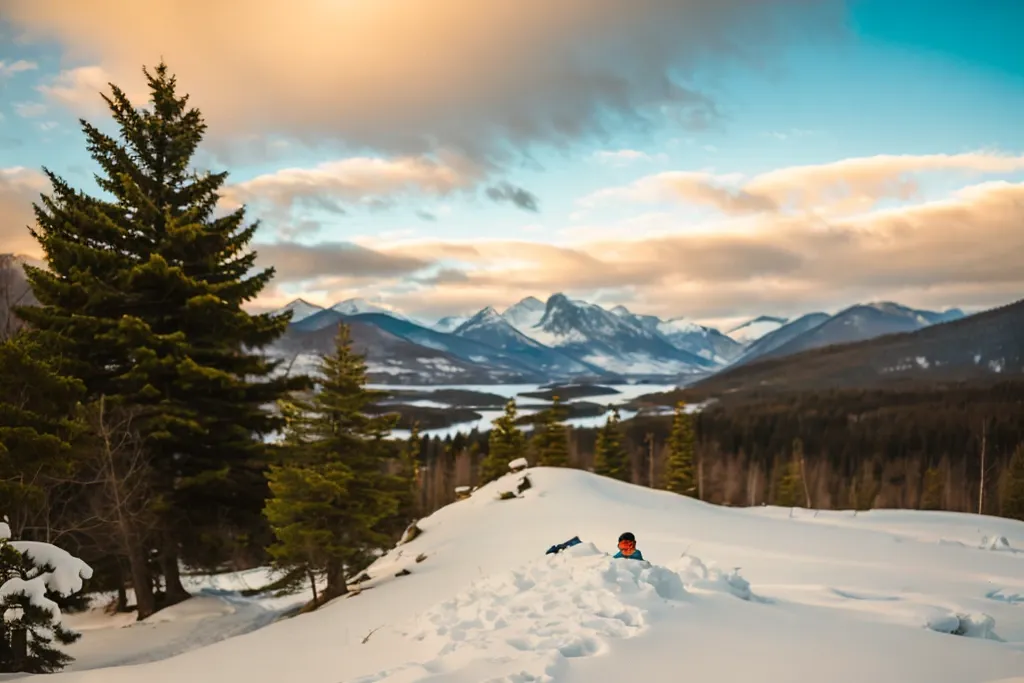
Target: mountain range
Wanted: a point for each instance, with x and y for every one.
(564, 339)
(571, 339)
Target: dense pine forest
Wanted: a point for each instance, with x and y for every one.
(142, 429)
(946, 447)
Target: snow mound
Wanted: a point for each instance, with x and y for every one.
(522, 624)
(996, 542)
(696, 574)
(969, 625)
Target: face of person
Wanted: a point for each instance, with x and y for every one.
(627, 547)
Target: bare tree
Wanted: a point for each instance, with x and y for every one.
(118, 476)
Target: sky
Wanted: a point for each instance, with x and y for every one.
(708, 159)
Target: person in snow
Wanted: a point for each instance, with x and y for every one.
(627, 547)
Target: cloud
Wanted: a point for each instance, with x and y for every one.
(298, 262)
(624, 157)
(8, 69)
(19, 187)
(963, 250)
(838, 187)
(409, 77)
(29, 110)
(517, 196)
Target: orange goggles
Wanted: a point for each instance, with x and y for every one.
(624, 545)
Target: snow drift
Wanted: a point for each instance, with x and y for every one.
(728, 594)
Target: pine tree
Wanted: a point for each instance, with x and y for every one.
(31, 617)
(789, 491)
(679, 469)
(37, 426)
(332, 492)
(550, 440)
(610, 457)
(144, 295)
(1011, 499)
(505, 443)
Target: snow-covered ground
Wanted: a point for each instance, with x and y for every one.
(730, 594)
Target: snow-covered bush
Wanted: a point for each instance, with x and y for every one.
(31, 572)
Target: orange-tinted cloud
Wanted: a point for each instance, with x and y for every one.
(842, 186)
(408, 76)
(963, 250)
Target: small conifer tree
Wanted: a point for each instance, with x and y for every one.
(550, 440)
(679, 468)
(931, 489)
(610, 457)
(505, 443)
(331, 493)
(32, 576)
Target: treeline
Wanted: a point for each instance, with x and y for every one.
(949, 447)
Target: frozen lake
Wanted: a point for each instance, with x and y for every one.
(527, 405)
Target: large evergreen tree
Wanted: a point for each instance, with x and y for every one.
(505, 443)
(332, 492)
(610, 457)
(37, 426)
(144, 293)
(550, 441)
(679, 470)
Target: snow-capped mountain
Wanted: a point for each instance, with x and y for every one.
(862, 322)
(568, 339)
(357, 306)
(600, 337)
(488, 327)
(449, 323)
(687, 335)
(526, 314)
(752, 330)
(300, 310)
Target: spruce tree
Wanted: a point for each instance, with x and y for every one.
(550, 440)
(679, 469)
(144, 294)
(1011, 499)
(37, 428)
(505, 443)
(332, 492)
(610, 457)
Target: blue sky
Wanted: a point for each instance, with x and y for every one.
(371, 167)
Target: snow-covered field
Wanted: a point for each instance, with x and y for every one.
(730, 594)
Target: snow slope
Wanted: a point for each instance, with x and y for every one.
(832, 597)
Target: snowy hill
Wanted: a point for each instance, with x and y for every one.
(730, 594)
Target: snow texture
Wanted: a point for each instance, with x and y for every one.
(728, 594)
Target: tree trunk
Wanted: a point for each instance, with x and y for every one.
(336, 585)
(19, 649)
(142, 582)
(312, 583)
(172, 575)
(122, 592)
